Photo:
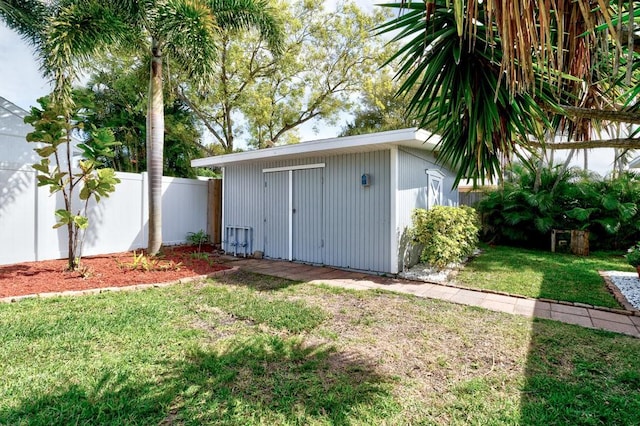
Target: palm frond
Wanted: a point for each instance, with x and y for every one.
(458, 94)
(66, 46)
(247, 14)
(27, 17)
(190, 33)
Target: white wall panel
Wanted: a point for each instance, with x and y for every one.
(184, 208)
(17, 215)
(117, 223)
(111, 215)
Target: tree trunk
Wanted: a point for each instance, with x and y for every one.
(562, 170)
(573, 112)
(586, 160)
(67, 194)
(626, 143)
(155, 146)
(538, 179)
(72, 263)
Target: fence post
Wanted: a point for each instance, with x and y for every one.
(214, 210)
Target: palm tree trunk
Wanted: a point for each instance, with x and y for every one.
(562, 170)
(586, 160)
(155, 145)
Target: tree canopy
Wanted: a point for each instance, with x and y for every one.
(118, 85)
(326, 58)
(493, 76)
(379, 108)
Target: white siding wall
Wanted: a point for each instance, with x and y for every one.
(412, 183)
(244, 202)
(357, 218)
(412, 193)
(117, 223)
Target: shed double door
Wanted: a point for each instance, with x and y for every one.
(293, 215)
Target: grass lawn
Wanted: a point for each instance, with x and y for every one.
(548, 275)
(255, 350)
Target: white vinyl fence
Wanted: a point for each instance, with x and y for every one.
(116, 224)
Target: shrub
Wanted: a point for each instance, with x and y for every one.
(55, 127)
(448, 234)
(633, 255)
(198, 238)
(522, 214)
(144, 263)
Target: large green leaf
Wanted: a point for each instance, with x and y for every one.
(609, 224)
(610, 202)
(544, 224)
(81, 222)
(64, 218)
(627, 211)
(581, 214)
(46, 151)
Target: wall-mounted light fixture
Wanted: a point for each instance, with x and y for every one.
(365, 180)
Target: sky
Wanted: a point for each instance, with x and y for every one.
(22, 84)
(20, 79)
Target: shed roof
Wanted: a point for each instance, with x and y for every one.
(414, 138)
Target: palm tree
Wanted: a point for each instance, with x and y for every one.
(454, 89)
(185, 30)
(491, 74)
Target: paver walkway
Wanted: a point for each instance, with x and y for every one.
(583, 316)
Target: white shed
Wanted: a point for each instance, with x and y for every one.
(344, 202)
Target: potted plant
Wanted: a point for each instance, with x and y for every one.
(633, 257)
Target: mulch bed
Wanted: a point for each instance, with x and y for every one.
(111, 270)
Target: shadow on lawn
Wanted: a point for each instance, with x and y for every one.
(579, 376)
(255, 281)
(572, 375)
(265, 379)
(576, 375)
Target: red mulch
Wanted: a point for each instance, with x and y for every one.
(102, 271)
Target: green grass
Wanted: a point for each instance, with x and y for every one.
(253, 350)
(541, 274)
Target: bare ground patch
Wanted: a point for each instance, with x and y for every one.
(431, 350)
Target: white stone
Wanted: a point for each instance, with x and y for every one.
(629, 285)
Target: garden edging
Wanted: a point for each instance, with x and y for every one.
(617, 294)
(12, 299)
(628, 310)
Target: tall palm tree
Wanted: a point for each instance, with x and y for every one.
(185, 30)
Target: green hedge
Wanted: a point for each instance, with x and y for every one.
(448, 234)
(524, 215)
